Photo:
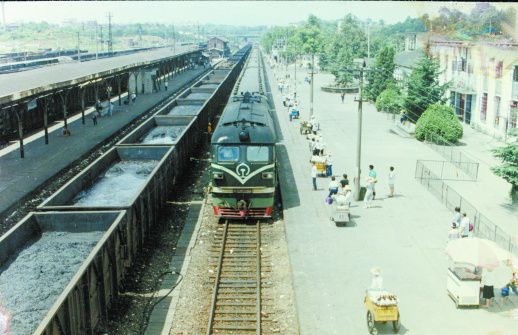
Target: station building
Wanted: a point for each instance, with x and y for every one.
(218, 47)
(483, 79)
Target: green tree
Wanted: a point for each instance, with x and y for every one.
(390, 100)
(341, 47)
(382, 74)
(438, 122)
(423, 87)
(509, 168)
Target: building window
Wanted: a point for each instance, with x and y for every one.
(463, 64)
(497, 111)
(453, 65)
(515, 73)
(483, 107)
(498, 70)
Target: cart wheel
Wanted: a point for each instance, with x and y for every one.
(370, 322)
(395, 325)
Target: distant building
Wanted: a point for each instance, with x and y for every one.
(406, 61)
(218, 47)
(483, 79)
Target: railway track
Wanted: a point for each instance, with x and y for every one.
(236, 306)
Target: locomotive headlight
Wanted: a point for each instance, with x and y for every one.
(267, 175)
(218, 175)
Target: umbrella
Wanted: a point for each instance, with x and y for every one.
(477, 252)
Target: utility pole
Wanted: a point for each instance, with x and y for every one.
(368, 41)
(102, 40)
(311, 95)
(78, 49)
(286, 52)
(110, 36)
(174, 40)
(359, 139)
(96, 42)
(3, 15)
(295, 80)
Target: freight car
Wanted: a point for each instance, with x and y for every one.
(243, 169)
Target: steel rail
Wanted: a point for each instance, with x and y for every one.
(258, 277)
(218, 277)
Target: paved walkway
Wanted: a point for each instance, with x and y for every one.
(405, 235)
(494, 200)
(19, 177)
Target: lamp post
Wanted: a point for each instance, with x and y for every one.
(359, 138)
(311, 92)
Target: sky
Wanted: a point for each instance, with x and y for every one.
(247, 13)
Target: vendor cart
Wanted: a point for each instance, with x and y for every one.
(341, 214)
(381, 307)
(322, 168)
(305, 127)
(340, 210)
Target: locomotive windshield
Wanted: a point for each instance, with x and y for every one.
(257, 153)
(228, 154)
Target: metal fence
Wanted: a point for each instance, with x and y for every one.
(453, 154)
(483, 227)
(445, 170)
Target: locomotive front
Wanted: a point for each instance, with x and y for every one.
(243, 169)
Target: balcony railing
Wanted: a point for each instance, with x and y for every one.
(464, 81)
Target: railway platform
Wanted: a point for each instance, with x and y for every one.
(19, 177)
(405, 235)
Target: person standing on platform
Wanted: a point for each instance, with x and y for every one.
(329, 167)
(372, 175)
(456, 217)
(94, 117)
(464, 226)
(488, 291)
(391, 180)
(166, 84)
(314, 173)
(343, 96)
(369, 194)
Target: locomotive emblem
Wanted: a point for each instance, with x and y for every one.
(243, 170)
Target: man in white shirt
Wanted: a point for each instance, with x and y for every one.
(314, 176)
(377, 280)
(334, 185)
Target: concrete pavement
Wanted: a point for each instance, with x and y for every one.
(405, 235)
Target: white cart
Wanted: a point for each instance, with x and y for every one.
(463, 286)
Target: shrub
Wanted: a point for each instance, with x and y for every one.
(390, 100)
(438, 120)
(509, 168)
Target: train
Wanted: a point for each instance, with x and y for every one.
(243, 166)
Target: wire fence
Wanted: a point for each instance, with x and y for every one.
(445, 170)
(453, 154)
(483, 227)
